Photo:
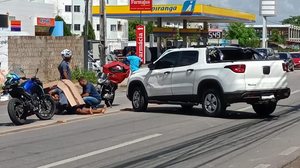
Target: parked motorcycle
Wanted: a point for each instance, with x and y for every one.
(28, 98)
(108, 80)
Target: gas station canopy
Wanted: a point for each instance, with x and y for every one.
(176, 12)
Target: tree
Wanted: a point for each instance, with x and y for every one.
(294, 20)
(67, 29)
(131, 29)
(247, 37)
(91, 31)
(277, 37)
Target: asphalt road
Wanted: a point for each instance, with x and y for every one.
(165, 136)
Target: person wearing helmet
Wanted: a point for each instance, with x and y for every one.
(64, 68)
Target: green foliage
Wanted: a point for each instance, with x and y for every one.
(131, 29)
(277, 37)
(294, 20)
(247, 37)
(88, 75)
(91, 31)
(67, 29)
(178, 37)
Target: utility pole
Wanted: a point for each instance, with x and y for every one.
(102, 32)
(85, 41)
(267, 9)
(86, 17)
(91, 11)
(264, 33)
(72, 9)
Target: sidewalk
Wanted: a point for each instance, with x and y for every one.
(6, 125)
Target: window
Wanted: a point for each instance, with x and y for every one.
(113, 28)
(77, 27)
(232, 54)
(98, 27)
(120, 26)
(76, 8)
(168, 61)
(68, 8)
(283, 56)
(295, 55)
(188, 58)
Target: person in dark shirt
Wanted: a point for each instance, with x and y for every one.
(64, 68)
(89, 93)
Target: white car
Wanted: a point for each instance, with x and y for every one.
(214, 77)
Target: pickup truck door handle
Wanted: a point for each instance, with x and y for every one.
(167, 72)
(190, 70)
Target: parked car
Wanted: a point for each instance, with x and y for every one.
(214, 77)
(287, 59)
(268, 53)
(296, 59)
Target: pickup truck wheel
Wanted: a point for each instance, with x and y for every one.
(264, 110)
(213, 105)
(139, 100)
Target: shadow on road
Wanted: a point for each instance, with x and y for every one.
(197, 112)
(28, 121)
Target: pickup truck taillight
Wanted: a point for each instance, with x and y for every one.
(285, 67)
(241, 68)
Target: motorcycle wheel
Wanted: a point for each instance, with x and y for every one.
(46, 113)
(15, 111)
(109, 102)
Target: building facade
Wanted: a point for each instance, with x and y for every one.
(290, 33)
(72, 11)
(116, 29)
(26, 12)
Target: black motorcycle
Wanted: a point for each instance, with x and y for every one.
(106, 88)
(28, 98)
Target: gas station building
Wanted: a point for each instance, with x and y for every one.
(188, 13)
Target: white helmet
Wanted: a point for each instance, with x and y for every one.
(66, 53)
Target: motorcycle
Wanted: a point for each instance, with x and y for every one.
(108, 80)
(28, 98)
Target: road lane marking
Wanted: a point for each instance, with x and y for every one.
(100, 151)
(249, 107)
(262, 166)
(289, 151)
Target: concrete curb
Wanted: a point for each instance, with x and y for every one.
(56, 122)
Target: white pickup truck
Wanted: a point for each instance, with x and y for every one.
(214, 77)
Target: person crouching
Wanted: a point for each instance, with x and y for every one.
(91, 98)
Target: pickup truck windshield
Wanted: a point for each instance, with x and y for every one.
(232, 54)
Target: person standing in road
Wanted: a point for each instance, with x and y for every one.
(134, 61)
(64, 67)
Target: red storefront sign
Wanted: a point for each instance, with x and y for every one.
(140, 5)
(140, 42)
(15, 25)
(47, 22)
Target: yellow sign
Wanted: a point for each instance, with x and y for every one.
(200, 12)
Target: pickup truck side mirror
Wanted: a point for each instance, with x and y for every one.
(151, 66)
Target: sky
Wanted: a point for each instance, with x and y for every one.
(285, 8)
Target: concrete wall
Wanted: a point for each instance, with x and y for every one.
(31, 53)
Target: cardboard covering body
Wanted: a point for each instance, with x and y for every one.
(69, 89)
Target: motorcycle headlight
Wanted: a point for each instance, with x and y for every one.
(101, 81)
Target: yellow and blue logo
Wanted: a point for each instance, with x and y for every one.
(188, 7)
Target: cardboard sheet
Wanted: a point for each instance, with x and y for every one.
(69, 90)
